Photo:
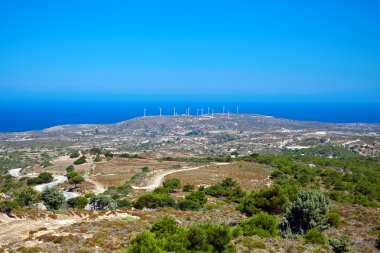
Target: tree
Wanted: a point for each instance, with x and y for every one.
(46, 177)
(74, 154)
(307, 211)
(53, 197)
(75, 178)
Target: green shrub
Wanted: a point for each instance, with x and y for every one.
(27, 197)
(89, 195)
(333, 219)
(172, 183)
(228, 189)
(164, 226)
(75, 178)
(74, 154)
(81, 160)
(252, 244)
(193, 201)
(271, 200)
(188, 188)
(314, 236)
(7, 206)
(340, 245)
(124, 203)
(53, 197)
(263, 224)
(378, 242)
(70, 169)
(102, 202)
(145, 169)
(307, 211)
(154, 200)
(78, 202)
(43, 178)
(144, 243)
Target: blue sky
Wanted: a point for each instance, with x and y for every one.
(297, 51)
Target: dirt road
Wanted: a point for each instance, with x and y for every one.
(159, 177)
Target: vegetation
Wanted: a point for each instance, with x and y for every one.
(81, 160)
(229, 189)
(314, 236)
(307, 211)
(166, 235)
(78, 202)
(193, 201)
(188, 188)
(172, 184)
(43, 178)
(271, 200)
(74, 153)
(154, 200)
(53, 197)
(102, 202)
(263, 224)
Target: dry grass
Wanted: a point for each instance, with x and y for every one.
(251, 176)
(118, 170)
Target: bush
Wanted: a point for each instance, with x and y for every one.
(271, 200)
(378, 242)
(102, 202)
(124, 203)
(74, 154)
(333, 219)
(263, 224)
(144, 243)
(75, 178)
(70, 169)
(78, 202)
(340, 245)
(27, 197)
(154, 200)
(172, 183)
(307, 211)
(53, 197)
(145, 169)
(314, 236)
(193, 201)
(188, 188)
(81, 160)
(7, 206)
(46, 177)
(228, 189)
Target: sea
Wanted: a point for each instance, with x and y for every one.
(36, 116)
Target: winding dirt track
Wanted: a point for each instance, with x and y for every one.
(159, 177)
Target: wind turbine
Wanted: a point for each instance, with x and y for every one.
(223, 109)
(212, 113)
(174, 111)
(202, 111)
(208, 110)
(160, 111)
(144, 112)
(237, 109)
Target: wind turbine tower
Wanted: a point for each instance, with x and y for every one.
(202, 111)
(174, 111)
(212, 113)
(237, 109)
(208, 110)
(144, 112)
(160, 111)
(223, 109)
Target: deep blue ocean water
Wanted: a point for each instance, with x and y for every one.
(36, 116)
